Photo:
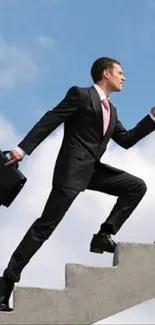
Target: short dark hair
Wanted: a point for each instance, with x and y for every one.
(100, 65)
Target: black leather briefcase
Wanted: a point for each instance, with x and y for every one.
(11, 180)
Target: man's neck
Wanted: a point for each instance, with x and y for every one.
(104, 88)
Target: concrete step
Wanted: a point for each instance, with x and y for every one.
(91, 293)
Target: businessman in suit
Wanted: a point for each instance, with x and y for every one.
(90, 121)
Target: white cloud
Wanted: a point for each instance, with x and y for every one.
(16, 65)
(45, 41)
(70, 241)
(8, 134)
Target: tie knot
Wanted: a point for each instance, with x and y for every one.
(105, 102)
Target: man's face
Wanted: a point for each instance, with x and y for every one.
(115, 77)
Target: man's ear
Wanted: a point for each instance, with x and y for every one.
(106, 73)
(153, 111)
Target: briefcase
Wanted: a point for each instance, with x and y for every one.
(11, 180)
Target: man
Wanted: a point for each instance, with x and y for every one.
(90, 121)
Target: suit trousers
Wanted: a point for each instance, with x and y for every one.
(129, 190)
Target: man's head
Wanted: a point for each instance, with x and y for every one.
(108, 73)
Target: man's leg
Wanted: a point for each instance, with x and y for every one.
(128, 188)
(57, 204)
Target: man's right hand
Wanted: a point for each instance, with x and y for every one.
(14, 157)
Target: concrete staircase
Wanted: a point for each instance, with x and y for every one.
(91, 293)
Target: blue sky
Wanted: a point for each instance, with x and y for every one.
(46, 46)
(62, 38)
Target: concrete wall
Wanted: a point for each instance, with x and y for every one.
(91, 293)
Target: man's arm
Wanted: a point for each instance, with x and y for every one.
(128, 138)
(48, 123)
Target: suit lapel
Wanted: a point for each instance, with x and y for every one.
(112, 119)
(96, 104)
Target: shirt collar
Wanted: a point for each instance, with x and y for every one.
(100, 92)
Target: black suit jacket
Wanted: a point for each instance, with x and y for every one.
(83, 142)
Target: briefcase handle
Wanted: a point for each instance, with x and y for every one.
(5, 152)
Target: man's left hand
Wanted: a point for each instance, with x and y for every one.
(14, 157)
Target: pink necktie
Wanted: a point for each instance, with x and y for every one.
(106, 114)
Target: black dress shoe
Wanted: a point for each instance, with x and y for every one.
(102, 242)
(6, 288)
(5, 307)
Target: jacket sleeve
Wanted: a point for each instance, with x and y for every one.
(128, 138)
(51, 120)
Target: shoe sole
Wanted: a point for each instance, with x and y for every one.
(97, 250)
(100, 251)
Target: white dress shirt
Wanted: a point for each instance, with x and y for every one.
(102, 97)
(20, 151)
(100, 92)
